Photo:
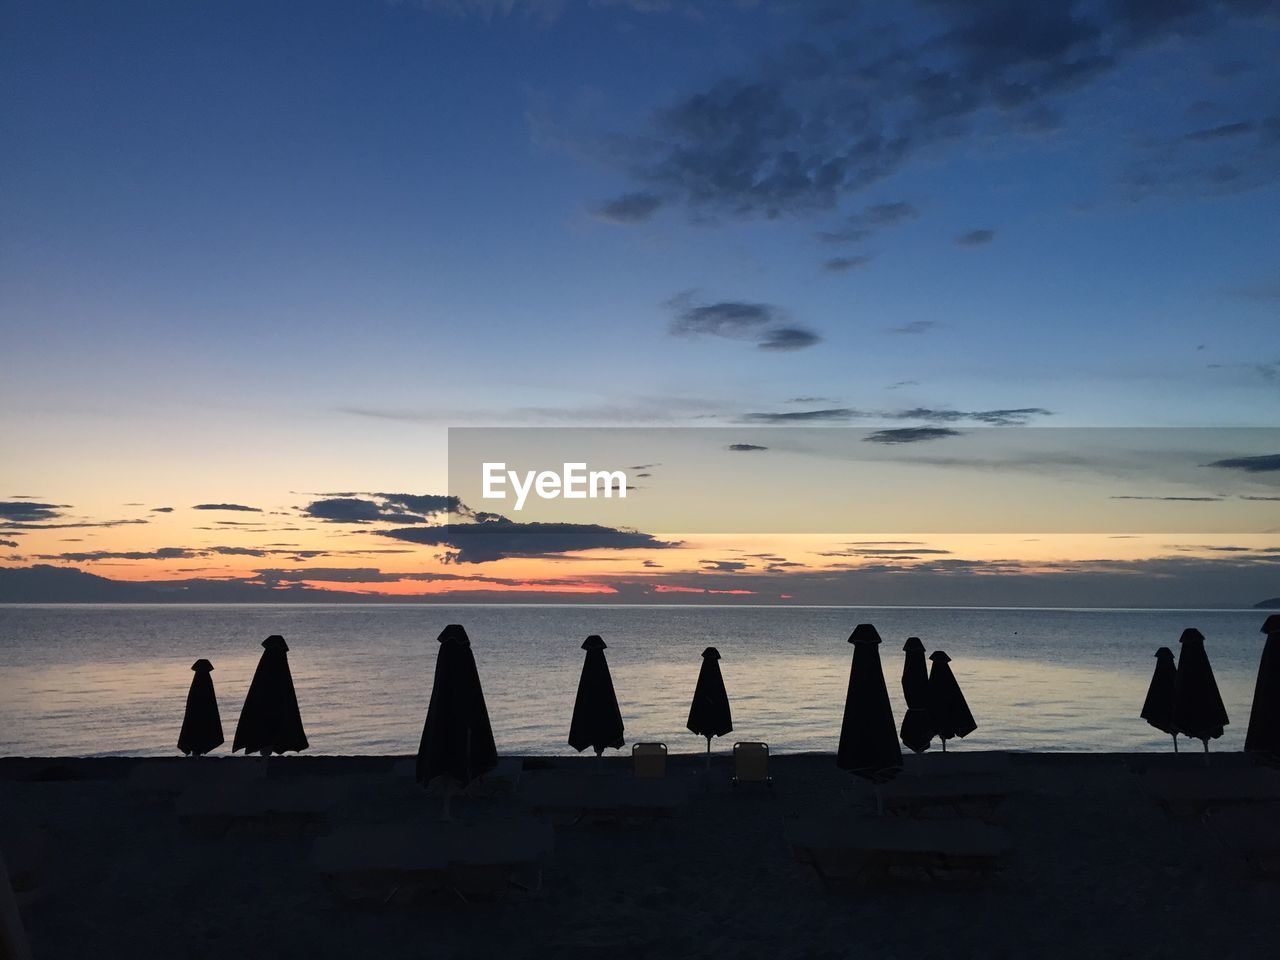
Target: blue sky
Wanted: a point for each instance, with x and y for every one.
(232, 232)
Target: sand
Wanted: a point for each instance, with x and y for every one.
(1098, 867)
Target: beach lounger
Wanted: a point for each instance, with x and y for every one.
(751, 763)
(502, 779)
(864, 849)
(1195, 790)
(302, 804)
(399, 861)
(935, 763)
(1252, 833)
(961, 794)
(649, 760)
(13, 939)
(173, 775)
(603, 796)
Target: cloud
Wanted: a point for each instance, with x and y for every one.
(814, 123)
(878, 216)
(368, 507)
(1264, 464)
(1006, 417)
(26, 511)
(494, 537)
(1171, 499)
(226, 506)
(911, 435)
(788, 338)
(724, 566)
(162, 509)
(914, 327)
(73, 525)
(762, 323)
(8, 543)
(845, 264)
(745, 447)
(975, 238)
(630, 208)
(1220, 131)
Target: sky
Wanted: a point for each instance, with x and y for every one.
(258, 258)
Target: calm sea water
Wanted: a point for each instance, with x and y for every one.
(88, 680)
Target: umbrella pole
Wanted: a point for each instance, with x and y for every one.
(447, 815)
(708, 754)
(944, 744)
(1175, 743)
(879, 802)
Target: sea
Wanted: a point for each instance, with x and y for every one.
(107, 680)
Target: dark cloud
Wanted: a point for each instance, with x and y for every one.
(1221, 131)
(8, 543)
(914, 327)
(72, 525)
(878, 216)
(818, 122)
(746, 447)
(788, 338)
(725, 566)
(494, 537)
(1013, 416)
(1267, 499)
(911, 435)
(362, 507)
(809, 400)
(1264, 464)
(162, 509)
(226, 506)
(762, 323)
(1170, 499)
(845, 264)
(630, 208)
(26, 511)
(975, 238)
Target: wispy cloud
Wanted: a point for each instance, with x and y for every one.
(764, 324)
(976, 238)
(226, 506)
(911, 435)
(1269, 463)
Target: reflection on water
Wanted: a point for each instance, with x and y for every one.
(110, 679)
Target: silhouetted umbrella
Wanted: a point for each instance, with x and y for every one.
(917, 727)
(201, 725)
(1263, 737)
(269, 720)
(457, 740)
(1197, 706)
(1157, 709)
(868, 735)
(947, 707)
(597, 721)
(709, 714)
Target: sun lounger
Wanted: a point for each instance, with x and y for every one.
(603, 796)
(751, 763)
(502, 779)
(935, 763)
(303, 803)
(13, 939)
(961, 794)
(861, 849)
(1194, 790)
(175, 775)
(649, 760)
(1252, 833)
(398, 861)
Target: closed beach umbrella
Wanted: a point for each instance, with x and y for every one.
(1197, 706)
(1264, 719)
(868, 735)
(709, 714)
(269, 720)
(1157, 709)
(201, 725)
(917, 728)
(597, 721)
(457, 740)
(947, 707)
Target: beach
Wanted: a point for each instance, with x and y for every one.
(1096, 865)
